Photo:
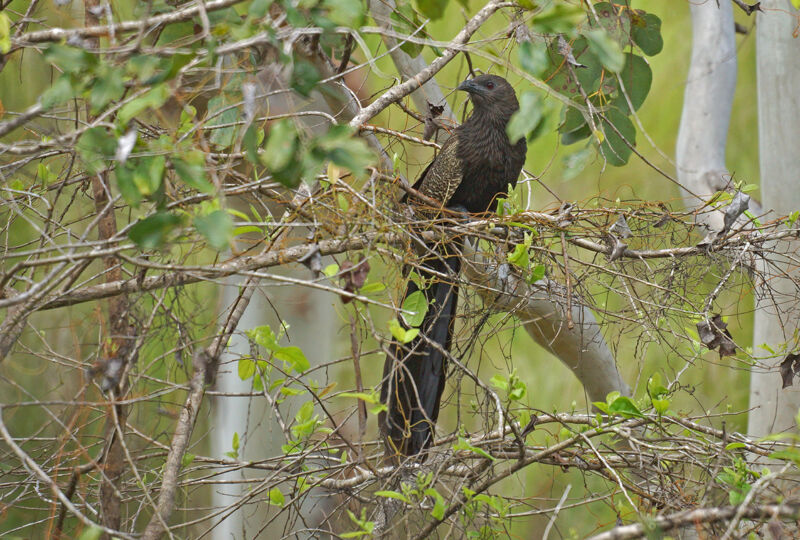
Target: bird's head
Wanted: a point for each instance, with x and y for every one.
(489, 91)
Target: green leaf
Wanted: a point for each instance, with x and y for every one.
(433, 9)
(5, 33)
(148, 174)
(520, 256)
(90, 533)
(280, 147)
(152, 99)
(246, 368)
(438, 505)
(95, 147)
(235, 442)
(735, 445)
(537, 274)
(275, 497)
(574, 127)
(464, 445)
(68, 59)
(525, 120)
(305, 412)
(190, 167)
(107, 87)
(363, 396)
(613, 147)
(637, 78)
(222, 113)
(417, 305)
(624, 407)
(259, 8)
(125, 184)
(533, 57)
(405, 20)
(305, 77)
(606, 48)
(187, 459)
(331, 270)
(62, 91)
(392, 495)
(216, 227)
(349, 13)
(401, 334)
(344, 149)
(294, 356)
(646, 31)
(153, 231)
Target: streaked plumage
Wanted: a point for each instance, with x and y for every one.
(474, 166)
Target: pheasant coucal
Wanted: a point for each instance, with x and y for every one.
(475, 166)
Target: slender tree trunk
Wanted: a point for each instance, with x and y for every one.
(776, 316)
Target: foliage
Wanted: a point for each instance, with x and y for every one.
(187, 151)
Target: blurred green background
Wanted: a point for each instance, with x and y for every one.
(709, 384)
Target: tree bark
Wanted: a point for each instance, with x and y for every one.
(776, 314)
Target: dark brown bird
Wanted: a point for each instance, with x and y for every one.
(475, 166)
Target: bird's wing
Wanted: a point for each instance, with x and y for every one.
(443, 176)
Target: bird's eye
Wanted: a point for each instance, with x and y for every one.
(490, 85)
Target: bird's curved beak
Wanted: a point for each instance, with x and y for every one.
(467, 86)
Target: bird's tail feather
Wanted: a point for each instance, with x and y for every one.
(414, 373)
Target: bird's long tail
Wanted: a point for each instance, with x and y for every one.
(414, 373)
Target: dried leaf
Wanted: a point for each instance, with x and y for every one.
(565, 50)
(354, 276)
(621, 228)
(739, 204)
(618, 247)
(789, 368)
(431, 124)
(713, 333)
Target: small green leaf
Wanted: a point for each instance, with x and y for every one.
(190, 167)
(735, 445)
(62, 91)
(187, 459)
(349, 13)
(96, 146)
(637, 77)
(276, 498)
(235, 441)
(614, 148)
(433, 9)
(533, 57)
(216, 227)
(331, 270)
(107, 87)
(363, 396)
(153, 231)
(526, 119)
(90, 533)
(246, 368)
(5, 33)
(415, 306)
(464, 445)
(537, 274)
(305, 77)
(294, 356)
(392, 495)
(646, 31)
(280, 146)
(68, 59)
(401, 334)
(152, 99)
(624, 407)
(606, 48)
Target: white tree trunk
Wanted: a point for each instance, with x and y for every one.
(778, 70)
(708, 99)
